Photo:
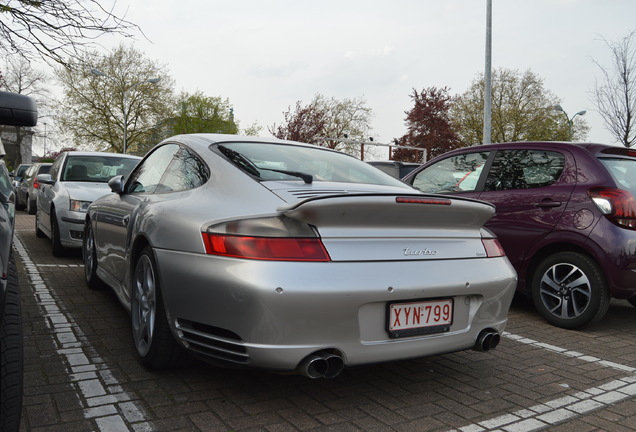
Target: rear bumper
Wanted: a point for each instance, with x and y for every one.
(615, 251)
(274, 314)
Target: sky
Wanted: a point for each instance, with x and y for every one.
(265, 55)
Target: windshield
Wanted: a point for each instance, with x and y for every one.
(269, 161)
(96, 168)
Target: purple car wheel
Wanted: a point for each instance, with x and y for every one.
(569, 290)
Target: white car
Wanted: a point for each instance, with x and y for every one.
(75, 180)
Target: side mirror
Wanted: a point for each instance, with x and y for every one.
(45, 179)
(117, 184)
(17, 110)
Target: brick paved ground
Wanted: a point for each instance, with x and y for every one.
(82, 375)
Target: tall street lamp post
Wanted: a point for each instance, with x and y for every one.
(99, 73)
(570, 120)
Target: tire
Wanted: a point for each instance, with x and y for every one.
(155, 346)
(30, 205)
(11, 357)
(57, 248)
(38, 232)
(569, 290)
(18, 203)
(89, 255)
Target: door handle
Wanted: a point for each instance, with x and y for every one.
(548, 204)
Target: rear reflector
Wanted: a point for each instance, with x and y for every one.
(493, 248)
(413, 200)
(265, 248)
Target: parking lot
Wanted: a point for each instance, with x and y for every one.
(81, 374)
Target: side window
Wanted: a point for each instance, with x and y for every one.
(458, 173)
(147, 175)
(55, 168)
(524, 169)
(186, 171)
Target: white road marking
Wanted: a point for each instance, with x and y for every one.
(98, 390)
(556, 411)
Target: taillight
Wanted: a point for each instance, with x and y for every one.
(36, 185)
(276, 238)
(493, 247)
(618, 205)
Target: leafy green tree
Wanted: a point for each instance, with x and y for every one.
(199, 113)
(428, 126)
(522, 110)
(329, 122)
(105, 94)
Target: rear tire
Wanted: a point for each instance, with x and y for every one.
(569, 290)
(30, 205)
(155, 346)
(11, 357)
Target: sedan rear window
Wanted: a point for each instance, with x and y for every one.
(269, 161)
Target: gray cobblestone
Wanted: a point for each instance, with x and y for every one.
(81, 374)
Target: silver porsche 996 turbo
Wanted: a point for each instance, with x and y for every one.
(285, 256)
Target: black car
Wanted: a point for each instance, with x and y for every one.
(15, 110)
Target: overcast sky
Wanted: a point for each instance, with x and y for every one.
(264, 55)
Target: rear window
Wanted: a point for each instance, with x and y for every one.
(623, 171)
(269, 161)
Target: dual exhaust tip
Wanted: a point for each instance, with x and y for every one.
(321, 364)
(325, 364)
(487, 340)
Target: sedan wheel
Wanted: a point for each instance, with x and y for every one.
(30, 205)
(569, 290)
(155, 346)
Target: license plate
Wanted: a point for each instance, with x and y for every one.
(418, 318)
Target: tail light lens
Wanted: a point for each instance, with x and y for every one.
(618, 205)
(278, 239)
(36, 184)
(493, 248)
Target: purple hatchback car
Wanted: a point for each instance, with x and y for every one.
(565, 214)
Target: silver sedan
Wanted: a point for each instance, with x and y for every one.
(280, 255)
(75, 179)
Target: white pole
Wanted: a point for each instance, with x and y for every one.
(488, 76)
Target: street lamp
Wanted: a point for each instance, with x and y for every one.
(99, 73)
(570, 120)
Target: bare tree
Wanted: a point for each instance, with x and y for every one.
(57, 29)
(615, 96)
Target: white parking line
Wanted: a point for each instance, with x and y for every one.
(556, 411)
(98, 390)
